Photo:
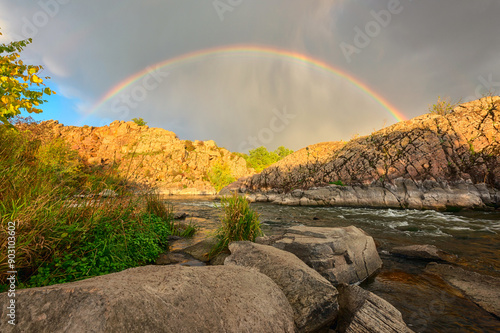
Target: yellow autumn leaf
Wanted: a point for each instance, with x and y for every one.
(36, 79)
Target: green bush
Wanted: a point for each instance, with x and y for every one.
(443, 107)
(239, 223)
(260, 158)
(220, 176)
(139, 121)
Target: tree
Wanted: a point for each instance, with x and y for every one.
(15, 81)
(283, 152)
(260, 158)
(139, 121)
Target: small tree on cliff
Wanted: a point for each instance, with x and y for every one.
(15, 81)
(443, 107)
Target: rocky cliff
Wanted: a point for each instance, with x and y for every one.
(150, 156)
(432, 161)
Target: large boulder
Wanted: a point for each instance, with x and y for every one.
(483, 290)
(364, 312)
(313, 298)
(156, 299)
(341, 255)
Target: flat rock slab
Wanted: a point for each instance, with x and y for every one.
(423, 252)
(364, 312)
(156, 299)
(483, 290)
(313, 298)
(341, 255)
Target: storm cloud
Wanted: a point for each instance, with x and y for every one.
(408, 52)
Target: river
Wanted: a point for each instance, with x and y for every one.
(426, 302)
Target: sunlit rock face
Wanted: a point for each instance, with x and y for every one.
(429, 162)
(149, 156)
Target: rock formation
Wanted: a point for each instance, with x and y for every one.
(312, 297)
(341, 255)
(155, 299)
(149, 156)
(364, 312)
(429, 162)
(484, 290)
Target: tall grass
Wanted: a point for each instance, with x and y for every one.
(61, 237)
(238, 223)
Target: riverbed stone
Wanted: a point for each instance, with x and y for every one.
(341, 255)
(156, 299)
(422, 252)
(313, 298)
(364, 312)
(484, 290)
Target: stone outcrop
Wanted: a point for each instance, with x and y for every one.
(429, 162)
(364, 312)
(312, 297)
(156, 299)
(341, 255)
(423, 252)
(483, 290)
(149, 156)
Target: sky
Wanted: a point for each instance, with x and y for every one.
(250, 73)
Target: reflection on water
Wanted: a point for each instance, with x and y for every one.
(426, 302)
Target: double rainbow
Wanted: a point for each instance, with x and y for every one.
(256, 51)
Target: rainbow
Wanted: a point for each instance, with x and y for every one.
(250, 50)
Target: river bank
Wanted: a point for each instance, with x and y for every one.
(471, 236)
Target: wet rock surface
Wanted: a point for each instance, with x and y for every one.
(423, 252)
(483, 290)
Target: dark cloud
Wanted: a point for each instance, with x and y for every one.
(429, 48)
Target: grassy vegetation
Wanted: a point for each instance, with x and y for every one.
(443, 107)
(260, 158)
(220, 176)
(239, 223)
(61, 237)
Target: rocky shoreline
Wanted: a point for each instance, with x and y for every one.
(440, 162)
(304, 280)
(403, 194)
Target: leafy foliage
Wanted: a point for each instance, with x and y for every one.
(239, 223)
(15, 81)
(139, 121)
(260, 158)
(443, 107)
(220, 176)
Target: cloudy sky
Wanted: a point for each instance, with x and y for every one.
(332, 69)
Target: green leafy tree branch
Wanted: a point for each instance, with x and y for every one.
(16, 78)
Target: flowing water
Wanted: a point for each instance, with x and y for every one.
(426, 302)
